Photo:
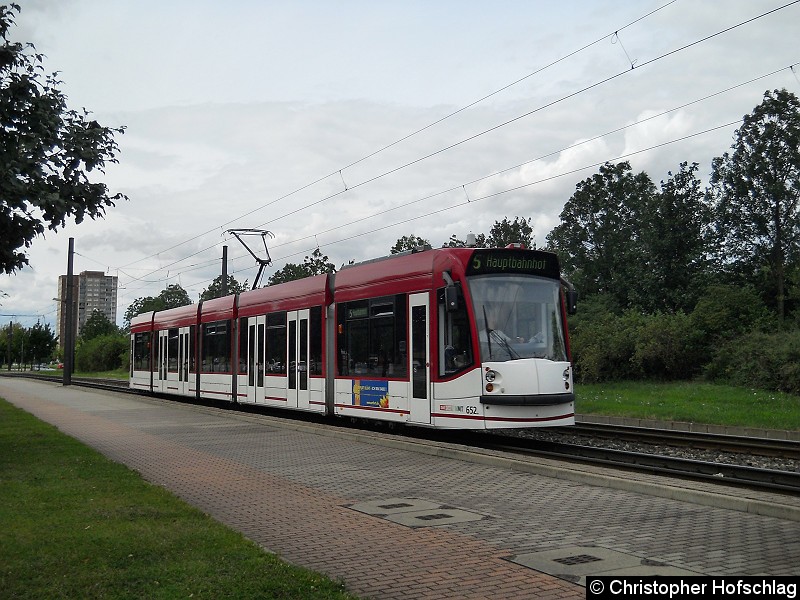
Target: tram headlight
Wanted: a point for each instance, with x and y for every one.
(490, 375)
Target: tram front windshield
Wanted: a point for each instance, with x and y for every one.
(518, 316)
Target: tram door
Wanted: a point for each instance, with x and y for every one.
(255, 358)
(297, 394)
(160, 383)
(420, 385)
(173, 361)
(184, 352)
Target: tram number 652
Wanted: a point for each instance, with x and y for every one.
(472, 410)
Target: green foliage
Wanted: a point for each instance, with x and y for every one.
(501, 234)
(41, 343)
(316, 264)
(727, 312)
(599, 238)
(769, 361)
(507, 232)
(675, 227)
(47, 153)
(171, 297)
(28, 346)
(96, 325)
(215, 290)
(667, 347)
(603, 345)
(756, 191)
(102, 353)
(408, 242)
(730, 337)
(631, 346)
(174, 296)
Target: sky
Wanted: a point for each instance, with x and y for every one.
(347, 125)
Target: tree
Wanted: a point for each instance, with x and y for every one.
(506, 232)
(42, 342)
(32, 345)
(407, 243)
(756, 190)
(171, 297)
(174, 296)
(599, 238)
(675, 228)
(502, 233)
(142, 305)
(316, 264)
(96, 325)
(214, 290)
(47, 152)
(12, 338)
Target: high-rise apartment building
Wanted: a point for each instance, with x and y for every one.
(92, 291)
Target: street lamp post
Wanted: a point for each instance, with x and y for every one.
(69, 334)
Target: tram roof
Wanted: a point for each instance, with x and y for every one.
(301, 293)
(142, 322)
(182, 316)
(417, 271)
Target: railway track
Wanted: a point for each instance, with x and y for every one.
(683, 468)
(700, 440)
(521, 445)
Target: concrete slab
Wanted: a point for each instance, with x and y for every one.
(575, 563)
(391, 506)
(435, 517)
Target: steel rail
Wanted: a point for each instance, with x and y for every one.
(750, 445)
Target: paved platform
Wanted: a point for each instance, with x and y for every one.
(398, 520)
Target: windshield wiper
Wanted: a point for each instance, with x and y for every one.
(511, 352)
(488, 331)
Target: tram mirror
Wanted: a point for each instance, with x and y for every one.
(572, 302)
(451, 298)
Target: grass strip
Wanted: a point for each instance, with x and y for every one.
(74, 524)
(693, 402)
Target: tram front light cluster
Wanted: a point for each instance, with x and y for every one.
(490, 376)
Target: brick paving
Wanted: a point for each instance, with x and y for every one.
(291, 491)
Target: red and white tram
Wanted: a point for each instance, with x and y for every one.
(451, 338)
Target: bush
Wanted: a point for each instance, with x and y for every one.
(103, 353)
(769, 361)
(726, 312)
(607, 347)
(668, 347)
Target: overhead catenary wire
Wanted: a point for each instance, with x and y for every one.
(174, 263)
(494, 194)
(519, 187)
(489, 130)
(463, 186)
(412, 134)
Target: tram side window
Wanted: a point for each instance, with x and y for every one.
(455, 341)
(216, 347)
(172, 350)
(141, 352)
(243, 354)
(372, 337)
(315, 341)
(276, 343)
(192, 344)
